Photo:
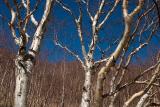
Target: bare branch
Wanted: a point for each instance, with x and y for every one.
(79, 28)
(66, 8)
(70, 52)
(158, 11)
(108, 14)
(146, 83)
(101, 61)
(132, 98)
(140, 18)
(137, 9)
(95, 30)
(148, 87)
(27, 15)
(34, 21)
(87, 5)
(39, 31)
(17, 40)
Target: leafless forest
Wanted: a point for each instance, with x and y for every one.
(108, 53)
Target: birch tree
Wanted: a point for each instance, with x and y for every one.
(87, 61)
(129, 34)
(25, 58)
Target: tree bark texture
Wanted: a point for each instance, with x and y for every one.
(86, 93)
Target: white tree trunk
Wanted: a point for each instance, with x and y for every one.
(21, 88)
(86, 93)
(142, 100)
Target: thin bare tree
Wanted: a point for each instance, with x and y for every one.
(87, 62)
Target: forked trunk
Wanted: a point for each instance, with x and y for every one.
(86, 93)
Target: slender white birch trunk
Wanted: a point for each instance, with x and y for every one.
(21, 88)
(86, 93)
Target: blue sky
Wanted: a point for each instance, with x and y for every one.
(61, 24)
